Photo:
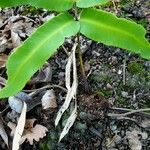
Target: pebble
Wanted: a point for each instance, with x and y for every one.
(119, 72)
(124, 94)
(80, 126)
(109, 86)
(147, 64)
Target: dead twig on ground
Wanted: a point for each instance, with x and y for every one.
(130, 112)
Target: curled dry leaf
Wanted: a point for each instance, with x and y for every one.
(36, 133)
(69, 122)
(71, 94)
(3, 132)
(49, 99)
(31, 132)
(71, 89)
(20, 127)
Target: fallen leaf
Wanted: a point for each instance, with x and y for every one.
(134, 141)
(69, 122)
(35, 133)
(71, 89)
(3, 59)
(30, 132)
(3, 133)
(44, 75)
(71, 94)
(15, 39)
(19, 129)
(49, 99)
(29, 123)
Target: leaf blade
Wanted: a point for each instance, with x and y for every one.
(90, 3)
(114, 31)
(56, 5)
(29, 57)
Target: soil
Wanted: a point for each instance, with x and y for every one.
(115, 78)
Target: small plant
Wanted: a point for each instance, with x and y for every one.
(98, 25)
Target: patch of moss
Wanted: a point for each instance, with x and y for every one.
(30, 10)
(91, 62)
(136, 68)
(124, 2)
(121, 100)
(99, 93)
(104, 92)
(101, 77)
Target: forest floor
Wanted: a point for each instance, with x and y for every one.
(118, 83)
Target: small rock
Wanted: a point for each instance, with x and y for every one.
(119, 72)
(87, 66)
(124, 94)
(109, 86)
(147, 64)
(80, 126)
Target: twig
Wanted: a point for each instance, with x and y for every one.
(65, 50)
(124, 71)
(127, 118)
(46, 87)
(3, 111)
(128, 113)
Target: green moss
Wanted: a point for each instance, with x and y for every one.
(136, 68)
(121, 100)
(124, 2)
(101, 77)
(31, 10)
(104, 92)
(99, 93)
(91, 62)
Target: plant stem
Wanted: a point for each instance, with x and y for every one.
(82, 69)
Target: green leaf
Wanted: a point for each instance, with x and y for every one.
(105, 27)
(56, 5)
(34, 52)
(90, 3)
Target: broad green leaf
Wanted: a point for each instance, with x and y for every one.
(56, 5)
(105, 27)
(34, 52)
(90, 3)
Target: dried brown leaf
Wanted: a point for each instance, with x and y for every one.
(35, 133)
(3, 59)
(29, 123)
(30, 132)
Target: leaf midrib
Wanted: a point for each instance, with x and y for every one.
(36, 49)
(110, 28)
